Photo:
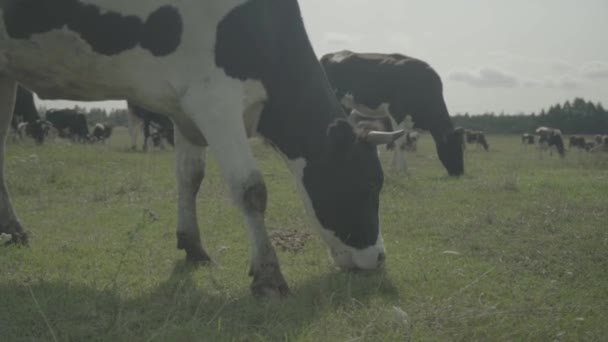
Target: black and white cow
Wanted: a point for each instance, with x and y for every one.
(70, 124)
(101, 132)
(550, 138)
(26, 119)
(162, 125)
(220, 69)
(396, 86)
(577, 141)
(477, 137)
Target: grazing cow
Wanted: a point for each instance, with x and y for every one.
(551, 137)
(395, 86)
(26, 119)
(577, 141)
(163, 127)
(590, 145)
(220, 69)
(598, 139)
(101, 132)
(70, 124)
(527, 138)
(477, 137)
(37, 130)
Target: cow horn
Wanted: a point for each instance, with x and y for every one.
(383, 138)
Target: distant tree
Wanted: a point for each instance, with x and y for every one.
(573, 117)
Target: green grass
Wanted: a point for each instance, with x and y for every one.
(515, 250)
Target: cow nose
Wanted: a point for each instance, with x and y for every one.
(381, 257)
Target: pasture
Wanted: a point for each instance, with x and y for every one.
(514, 250)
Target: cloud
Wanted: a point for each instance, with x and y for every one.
(486, 78)
(339, 40)
(489, 77)
(595, 70)
(399, 40)
(553, 65)
(561, 66)
(565, 83)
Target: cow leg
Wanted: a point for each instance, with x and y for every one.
(9, 224)
(132, 123)
(190, 168)
(223, 128)
(146, 125)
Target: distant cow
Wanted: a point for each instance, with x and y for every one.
(70, 124)
(590, 145)
(477, 137)
(598, 139)
(101, 132)
(26, 120)
(527, 138)
(551, 137)
(37, 130)
(161, 124)
(396, 86)
(577, 141)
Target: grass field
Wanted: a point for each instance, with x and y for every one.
(515, 250)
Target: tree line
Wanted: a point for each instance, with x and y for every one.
(576, 117)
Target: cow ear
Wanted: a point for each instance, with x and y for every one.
(342, 135)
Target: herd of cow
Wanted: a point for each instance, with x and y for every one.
(552, 138)
(70, 124)
(221, 72)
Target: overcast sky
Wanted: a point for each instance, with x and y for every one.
(493, 55)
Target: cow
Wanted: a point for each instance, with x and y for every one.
(477, 137)
(162, 125)
(101, 132)
(528, 139)
(598, 139)
(221, 70)
(551, 137)
(26, 120)
(396, 86)
(70, 124)
(38, 130)
(590, 145)
(577, 141)
(384, 124)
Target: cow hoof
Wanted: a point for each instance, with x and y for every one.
(194, 251)
(268, 282)
(14, 234)
(198, 256)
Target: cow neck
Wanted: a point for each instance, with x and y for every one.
(300, 106)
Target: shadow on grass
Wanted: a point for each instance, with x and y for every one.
(178, 309)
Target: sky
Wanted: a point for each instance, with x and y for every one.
(497, 56)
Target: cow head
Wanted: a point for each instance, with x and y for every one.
(344, 187)
(449, 150)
